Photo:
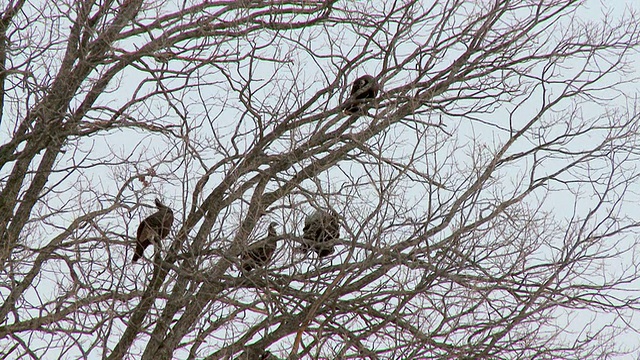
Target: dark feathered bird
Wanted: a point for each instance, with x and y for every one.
(261, 252)
(253, 354)
(267, 355)
(153, 229)
(364, 89)
(320, 230)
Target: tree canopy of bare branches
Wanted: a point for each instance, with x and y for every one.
(487, 197)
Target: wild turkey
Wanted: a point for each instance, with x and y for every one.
(153, 229)
(320, 230)
(267, 355)
(256, 354)
(261, 252)
(365, 88)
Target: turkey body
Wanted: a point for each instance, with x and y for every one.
(320, 230)
(364, 89)
(261, 252)
(153, 229)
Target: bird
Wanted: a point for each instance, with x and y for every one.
(320, 230)
(153, 229)
(260, 252)
(267, 355)
(365, 88)
(253, 354)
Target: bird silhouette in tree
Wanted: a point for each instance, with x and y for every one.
(153, 229)
(260, 252)
(364, 89)
(320, 230)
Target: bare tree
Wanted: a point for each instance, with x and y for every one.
(486, 196)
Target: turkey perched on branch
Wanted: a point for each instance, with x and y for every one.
(261, 252)
(320, 230)
(364, 89)
(153, 229)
